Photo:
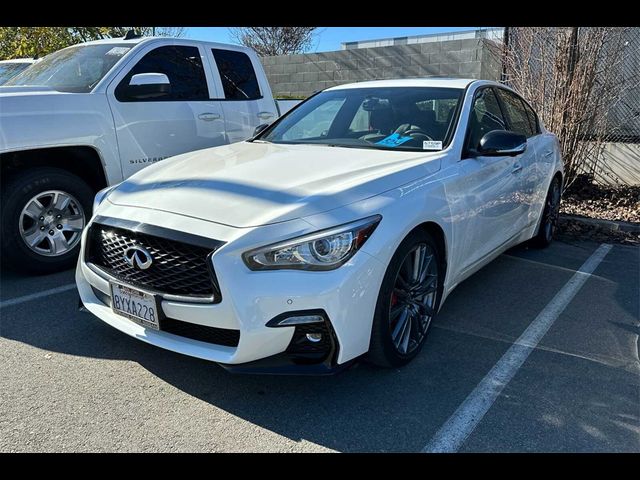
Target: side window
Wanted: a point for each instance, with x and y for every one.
(181, 64)
(533, 119)
(485, 117)
(238, 77)
(516, 114)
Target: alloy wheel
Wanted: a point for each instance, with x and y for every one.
(552, 210)
(51, 223)
(413, 299)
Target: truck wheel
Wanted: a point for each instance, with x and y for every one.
(43, 213)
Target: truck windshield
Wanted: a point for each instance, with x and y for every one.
(8, 70)
(394, 118)
(74, 69)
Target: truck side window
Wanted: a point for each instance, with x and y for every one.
(183, 66)
(238, 77)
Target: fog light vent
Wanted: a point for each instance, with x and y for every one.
(300, 317)
(314, 337)
(298, 320)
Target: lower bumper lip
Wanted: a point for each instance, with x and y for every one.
(282, 364)
(285, 363)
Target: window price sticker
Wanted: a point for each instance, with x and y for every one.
(432, 145)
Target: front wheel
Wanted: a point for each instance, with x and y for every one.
(43, 213)
(550, 214)
(407, 303)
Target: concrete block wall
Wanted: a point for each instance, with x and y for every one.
(302, 74)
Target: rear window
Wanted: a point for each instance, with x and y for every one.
(238, 77)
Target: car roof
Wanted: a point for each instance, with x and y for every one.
(410, 82)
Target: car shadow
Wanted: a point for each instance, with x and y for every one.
(362, 409)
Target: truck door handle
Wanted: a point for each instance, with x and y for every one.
(265, 115)
(209, 117)
(516, 168)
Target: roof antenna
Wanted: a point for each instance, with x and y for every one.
(131, 34)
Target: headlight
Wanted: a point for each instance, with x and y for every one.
(101, 195)
(323, 250)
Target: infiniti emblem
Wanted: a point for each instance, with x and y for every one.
(138, 257)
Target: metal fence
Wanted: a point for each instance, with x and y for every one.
(585, 82)
(618, 159)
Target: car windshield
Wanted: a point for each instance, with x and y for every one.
(75, 69)
(394, 118)
(8, 70)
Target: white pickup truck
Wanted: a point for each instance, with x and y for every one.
(90, 115)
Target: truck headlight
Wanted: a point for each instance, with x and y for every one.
(101, 195)
(323, 250)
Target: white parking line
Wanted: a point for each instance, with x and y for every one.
(35, 296)
(464, 420)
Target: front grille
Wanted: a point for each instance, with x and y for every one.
(218, 336)
(178, 268)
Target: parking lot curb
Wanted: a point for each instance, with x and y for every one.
(605, 224)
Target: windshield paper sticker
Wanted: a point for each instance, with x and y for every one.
(432, 145)
(393, 140)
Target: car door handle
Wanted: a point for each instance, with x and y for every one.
(548, 154)
(265, 115)
(209, 117)
(516, 168)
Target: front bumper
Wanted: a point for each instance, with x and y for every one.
(250, 299)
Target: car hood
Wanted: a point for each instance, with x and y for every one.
(256, 183)
(6, 90)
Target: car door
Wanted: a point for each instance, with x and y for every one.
(185, 119)
(520, 121)
(246, 99)
(487, 185)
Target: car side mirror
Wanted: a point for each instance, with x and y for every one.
(149, 85)
(260, 128)
(500, 143)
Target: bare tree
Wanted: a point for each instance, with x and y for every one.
(274, 40)
(165, 31)
(575, 77)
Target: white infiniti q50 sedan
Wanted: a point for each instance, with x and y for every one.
(335, 233)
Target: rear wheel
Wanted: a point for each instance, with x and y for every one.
(550, 214)
(407, 303)
(43, 213)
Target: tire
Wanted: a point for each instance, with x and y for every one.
(549, 220)
(19, 222)
(384, 348)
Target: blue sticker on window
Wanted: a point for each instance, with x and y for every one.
(393, 140)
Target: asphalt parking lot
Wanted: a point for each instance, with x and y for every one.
(71, 383)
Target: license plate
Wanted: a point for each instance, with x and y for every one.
(141, 307)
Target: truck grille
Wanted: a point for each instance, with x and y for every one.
(178, 268)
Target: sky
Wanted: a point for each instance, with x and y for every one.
(329, 38)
